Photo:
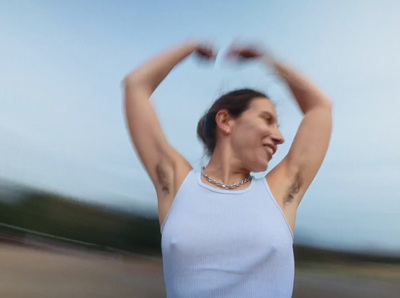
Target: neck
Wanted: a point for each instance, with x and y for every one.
(224, 167)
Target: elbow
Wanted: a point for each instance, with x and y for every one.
(129, 85)
(328, 103)
(135, 90)
(324, 103)
(136, 82)
(130, 80)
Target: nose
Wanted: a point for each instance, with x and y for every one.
(277, 137)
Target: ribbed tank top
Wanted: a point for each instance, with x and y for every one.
(226, 243)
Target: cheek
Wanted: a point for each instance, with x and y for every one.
(251, 142)
(249, 137)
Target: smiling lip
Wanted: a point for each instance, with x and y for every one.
(271, 148)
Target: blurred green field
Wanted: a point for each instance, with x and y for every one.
(29, 272)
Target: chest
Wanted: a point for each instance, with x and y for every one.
(225, 229)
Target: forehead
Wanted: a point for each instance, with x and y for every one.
(261, 105)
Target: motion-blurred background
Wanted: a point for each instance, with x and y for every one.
(72, 186)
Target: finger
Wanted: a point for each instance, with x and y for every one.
(208, 55)
(208, 50)
(206, 58)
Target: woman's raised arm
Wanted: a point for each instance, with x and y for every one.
(294, 174)
(310, 144)
(156, 154)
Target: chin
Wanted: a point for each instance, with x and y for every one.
(260, 168)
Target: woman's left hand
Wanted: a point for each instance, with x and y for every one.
(245, 52)
(249, 52)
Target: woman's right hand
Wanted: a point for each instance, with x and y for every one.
(205, 51)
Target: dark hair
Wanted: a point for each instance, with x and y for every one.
(235, 102)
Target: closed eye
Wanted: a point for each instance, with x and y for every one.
(269, 120)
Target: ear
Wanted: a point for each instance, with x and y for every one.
(224, 121)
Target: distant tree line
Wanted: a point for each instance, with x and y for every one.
(59, 216)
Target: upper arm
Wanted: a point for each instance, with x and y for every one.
(296, 171)
(157, 155)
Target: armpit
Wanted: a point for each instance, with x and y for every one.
(294, 189)
(163, 181)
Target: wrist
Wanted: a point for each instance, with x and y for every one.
(192, 45)
(268, 59)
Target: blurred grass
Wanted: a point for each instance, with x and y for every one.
(378, 271)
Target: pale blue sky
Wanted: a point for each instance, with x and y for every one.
(62, 126)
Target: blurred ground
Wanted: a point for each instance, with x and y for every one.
(28, 272)
(362, 280)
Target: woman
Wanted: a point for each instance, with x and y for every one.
(225, 234)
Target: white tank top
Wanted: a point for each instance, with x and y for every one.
(226, 243)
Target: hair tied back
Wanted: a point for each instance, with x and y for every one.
(208, 123)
